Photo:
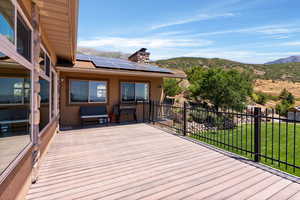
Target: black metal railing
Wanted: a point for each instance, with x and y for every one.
(260, 135)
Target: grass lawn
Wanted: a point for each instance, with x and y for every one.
(285, 145)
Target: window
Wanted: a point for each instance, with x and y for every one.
(45, 106)
(88, 91)
(48, 65)
(7, 20)
(23, 39)
(15, 107)
(52, 94)
(131, 91)
(16, 90)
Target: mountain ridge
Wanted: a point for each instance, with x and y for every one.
(278, 71)
(291, 59)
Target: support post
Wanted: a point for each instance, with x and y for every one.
(257, 133)
(184, 118)
(35, 113)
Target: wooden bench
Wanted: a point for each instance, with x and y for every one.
(92, 114)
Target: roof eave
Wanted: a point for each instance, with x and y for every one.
(119, 72)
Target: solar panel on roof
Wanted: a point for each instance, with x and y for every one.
(114, 63)
(83, 57)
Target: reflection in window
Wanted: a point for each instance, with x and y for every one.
(97, 91)
(15, 107)
(141, 91)
(134, 91)
(23, 39)
(45, 106)
(53, 94)
(7, 19)
(79, 91)
(128, 91)
(88, 91)
(48, 63)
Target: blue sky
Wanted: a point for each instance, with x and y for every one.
(251, 31)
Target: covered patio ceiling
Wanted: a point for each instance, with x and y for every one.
(59, 22)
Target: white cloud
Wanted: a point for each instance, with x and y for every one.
(280, 37)
(294, 43)
(266, 30)
(133, 43)
(196, 18)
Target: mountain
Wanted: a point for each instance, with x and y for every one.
(112, 54)
(291, 59)
(284, 71)
(280, 71)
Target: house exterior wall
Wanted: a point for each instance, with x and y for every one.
(70, 112)
(17, 178)
(294, 116)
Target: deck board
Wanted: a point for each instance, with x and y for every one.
(141, 162)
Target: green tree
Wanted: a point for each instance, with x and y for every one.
(260, 98)
(282, 108)
(171, 87)
(290, 99)
(222, 88)
(284, 94)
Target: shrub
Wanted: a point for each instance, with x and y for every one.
(283, 107)
(171, 87)
(212, 119)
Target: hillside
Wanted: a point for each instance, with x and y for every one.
(95, 52)
(285, 71)
(291, 59)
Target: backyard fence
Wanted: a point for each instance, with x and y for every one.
(257, 134)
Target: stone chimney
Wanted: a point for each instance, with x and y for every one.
(141, 56)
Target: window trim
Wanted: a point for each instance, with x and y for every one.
(133, 81)
(89, 81)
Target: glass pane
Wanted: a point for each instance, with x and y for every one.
(13, 92)
(14, 110)
(48, 65)
(127, 90)
(7, 19)
(52, 94)
(23, 39)
(45, 106)
(98, 91)
(141, 91)
(79, 91)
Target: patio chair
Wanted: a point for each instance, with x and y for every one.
(126, 109)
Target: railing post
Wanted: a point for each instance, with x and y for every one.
(143, 110)
(153, 112)
(257, 135)
(150, 110)
(184, 119)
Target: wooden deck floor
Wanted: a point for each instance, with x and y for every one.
(142, 162)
